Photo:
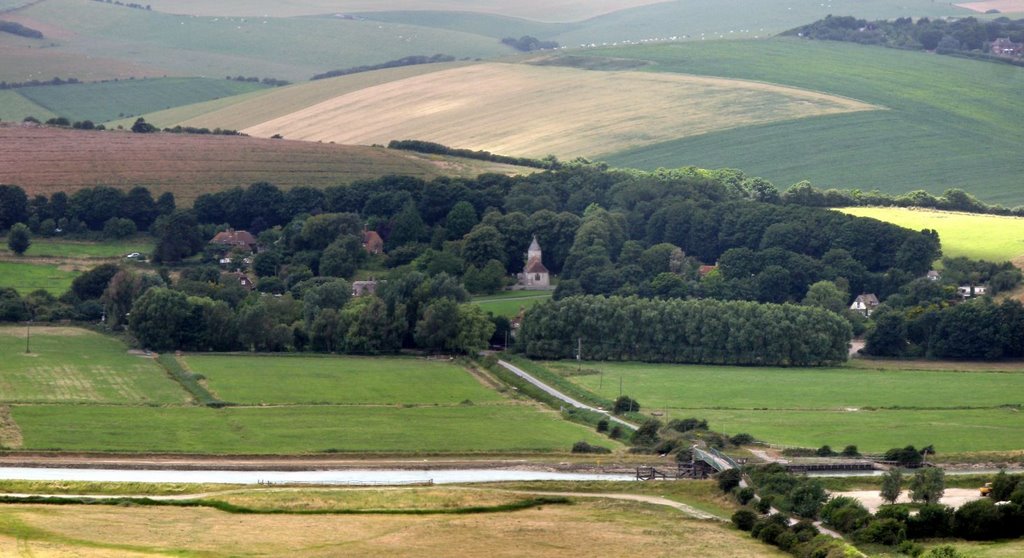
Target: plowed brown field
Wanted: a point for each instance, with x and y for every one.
(47, 160)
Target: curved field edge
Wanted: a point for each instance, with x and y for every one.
(242, 111)
(951, 123)
(49, 160)
(995, 238)
(523, 109)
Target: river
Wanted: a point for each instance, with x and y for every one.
(340, 477)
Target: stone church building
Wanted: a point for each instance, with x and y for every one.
(534, 275)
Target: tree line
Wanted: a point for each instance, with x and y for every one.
(420, 146)
(945, 36)
(684, 331)
(406, 61)
(88, 209)
(526, 43)
(20, 30)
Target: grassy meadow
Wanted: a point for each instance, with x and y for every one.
(284, 48)
(984, 237)
(950, 122)
(101, 102)
(13, 106)
(509, 303)
(606, 525)
(81, 391)
(339, 380)
(58, 248)
(530, 110)
(27, 277)
(298, 429)
(71, 365)
(967, 409)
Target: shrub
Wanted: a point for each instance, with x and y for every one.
(945, 551)
(584, 447)
(845, 514)
(728, 479)
(744, 495)
(763, 505)
(804, 530)
(647, 434)
(908, 456)
(897, 512)
(850, 451)
(910, 548)
(931, 521)
(744, 519)
(883, 531)
(625, 404)
(688, 424)
(602, 425)
(977, 520)
(116, 227)
(825, 451)
(616, 432)
(741, 439)
(786, 540)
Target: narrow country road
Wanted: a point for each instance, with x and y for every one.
(559, 395)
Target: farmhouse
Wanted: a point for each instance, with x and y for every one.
(243, 280)
(234, 239)
(704, 270)
(969, 291)
(535, 275)
(1005, 47)
(363, 288)
(865, 304)
(372, 242)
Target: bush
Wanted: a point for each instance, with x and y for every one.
(741, 439)
(744, 495)
(584, 447)
(883, 531)
(804, 530)
(845, 514)
(977, 521)
(850, 451)
(825, 451)
(602, 425)
(115, 228)
(617, 432)
(898, 512)
(688, 424)
(647, 434)
(908, 456)
(910, 548)
(728, 479)
(931, 521)
(625, 404)
(763, 505)
(786, 540)
(744, 519)
(945, 551)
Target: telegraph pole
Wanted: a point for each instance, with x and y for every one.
(579, 354)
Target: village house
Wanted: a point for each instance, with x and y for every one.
(363, 288)
(933, 275)
(865, 304)
(243, 280)
(534, 276)
(970, 291)
(704, 270)
(231, 239)
(372, 242)
(1005, 47)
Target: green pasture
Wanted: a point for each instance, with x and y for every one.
(957, 410)
(338, 380)
(984, 237)
(298, 429)
(15, 107)
(54, 248)
(951, 431)
(283, 48)
(509, 303)
(110, 100)
(71, 365)
(660, 386)
(27, 277)
(951, 122)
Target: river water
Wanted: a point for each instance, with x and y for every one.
(340, 477)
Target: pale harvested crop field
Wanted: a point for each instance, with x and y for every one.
(48, 160)
(604, 528)
(1004, 6)
(526, 110)
(553, 10)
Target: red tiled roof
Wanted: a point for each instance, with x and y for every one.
(234, 238)
(535, 266)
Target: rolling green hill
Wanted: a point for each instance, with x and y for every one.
(101, 102)
(13, 106)
(951, 123)
(283, 48)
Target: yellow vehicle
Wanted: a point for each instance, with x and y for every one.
(986, 489)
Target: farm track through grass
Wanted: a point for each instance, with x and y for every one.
(951, 123)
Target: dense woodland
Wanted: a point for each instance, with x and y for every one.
(688, 234)
(963, 35)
